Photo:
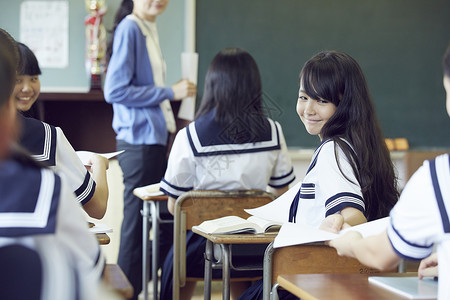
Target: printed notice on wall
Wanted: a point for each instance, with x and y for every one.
(44, 27)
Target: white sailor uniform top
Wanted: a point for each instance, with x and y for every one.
(38, 211)
(420, 219)
(49, 145)
(325, 190)
(202, 157)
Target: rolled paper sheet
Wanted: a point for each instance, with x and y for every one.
(189, 68)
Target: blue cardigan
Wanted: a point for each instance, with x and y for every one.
(130, 88)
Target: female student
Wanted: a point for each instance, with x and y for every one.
(351, 173)
(143, 119)
(39, 212)
(419, 221)
(230, 146)
(49, 145)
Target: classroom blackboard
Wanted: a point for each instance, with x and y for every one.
(398, 43)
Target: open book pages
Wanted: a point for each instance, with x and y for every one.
(148, 190)
(296, 234)
(278, 209)
(409, 287)
(86, 155)
(100, 228)
(235, 224)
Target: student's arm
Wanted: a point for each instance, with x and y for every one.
(348, 217)
(91, 190)
(353, 216)
(96, 207)
(374, 251)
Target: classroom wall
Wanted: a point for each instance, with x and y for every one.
(74, 77)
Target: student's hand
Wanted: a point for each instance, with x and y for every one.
(332, 223)
(428, 266)
(183, 89)
(343, 244)
(98, 162)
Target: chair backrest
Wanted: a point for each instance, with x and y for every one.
(315, 258)
(21, 276)
(414, 159)
(194, 207)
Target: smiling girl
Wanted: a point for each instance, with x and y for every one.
(351, 176)
(351, 172)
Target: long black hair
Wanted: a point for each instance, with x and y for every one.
(233, 87)
(338, 78)
(125, 8)
(29, 64)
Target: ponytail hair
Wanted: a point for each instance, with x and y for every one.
(125, 8)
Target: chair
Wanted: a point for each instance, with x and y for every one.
(314, 258)
(21, 276)
(415, 159)
(194, 207)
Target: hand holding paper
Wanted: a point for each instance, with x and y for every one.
(85, 156)
(189, 67)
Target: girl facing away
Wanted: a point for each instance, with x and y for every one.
(351, 174)
(230, 146)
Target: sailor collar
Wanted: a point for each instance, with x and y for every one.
(30, 199)
(39, 139)
(207, 138)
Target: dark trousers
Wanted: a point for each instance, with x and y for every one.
(141, 165)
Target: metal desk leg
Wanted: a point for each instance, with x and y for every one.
(208, 270)
(267, 271)
(155, 250)
(145, 262)
(226, 271)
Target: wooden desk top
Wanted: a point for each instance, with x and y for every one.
(337, 286)
(102, 238)
(152, 198)
(237, 238)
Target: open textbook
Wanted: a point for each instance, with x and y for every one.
(86, 155)
(296, 234)
(409, 287)
(235, 224)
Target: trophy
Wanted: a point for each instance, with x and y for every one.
(95, 41)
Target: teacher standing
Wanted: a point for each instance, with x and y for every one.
(143, 119)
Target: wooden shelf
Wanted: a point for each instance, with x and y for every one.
(93, 95)
(85, 119)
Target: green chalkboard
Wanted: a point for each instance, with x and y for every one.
(398, 43)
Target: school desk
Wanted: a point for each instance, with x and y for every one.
(102, 238)
(225, 262)
(337, 286)
(151, 207)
